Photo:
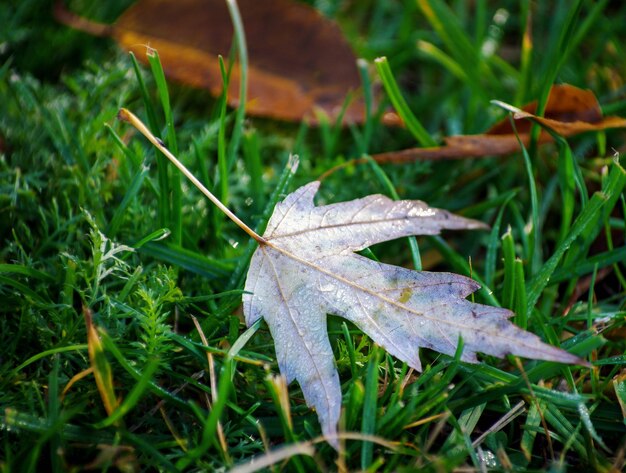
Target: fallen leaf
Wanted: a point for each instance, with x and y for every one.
(298, 60)
(569, 111)
(566, 104)
(306, 267)
(563, 128)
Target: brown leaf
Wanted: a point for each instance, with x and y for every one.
(569, 111)
(566, 104)
(298, 60)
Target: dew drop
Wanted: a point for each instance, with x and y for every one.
(327, 287)
(488, 458)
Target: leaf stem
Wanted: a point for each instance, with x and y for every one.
(127, 116)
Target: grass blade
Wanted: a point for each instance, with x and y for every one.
(411, 121)
(368, 424)
(173, 182)
(585, 225)
(242, 51)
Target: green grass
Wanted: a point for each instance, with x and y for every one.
(94, 221)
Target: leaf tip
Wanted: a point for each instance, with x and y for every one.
(123, 115)
(333, 442)
(506, 106)
(562, 356)
(478, 225)
(293, 162)
(362, 63)
(571, 359)
(463, 223)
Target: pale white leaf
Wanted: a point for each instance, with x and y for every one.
(308, 268)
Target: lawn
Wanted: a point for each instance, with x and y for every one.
(123, 340)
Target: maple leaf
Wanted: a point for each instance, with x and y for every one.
(307, 267)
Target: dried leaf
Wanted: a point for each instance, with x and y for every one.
(565, 128)
(569, 111)
(307, 267)
(101, 367)
(298, 60)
